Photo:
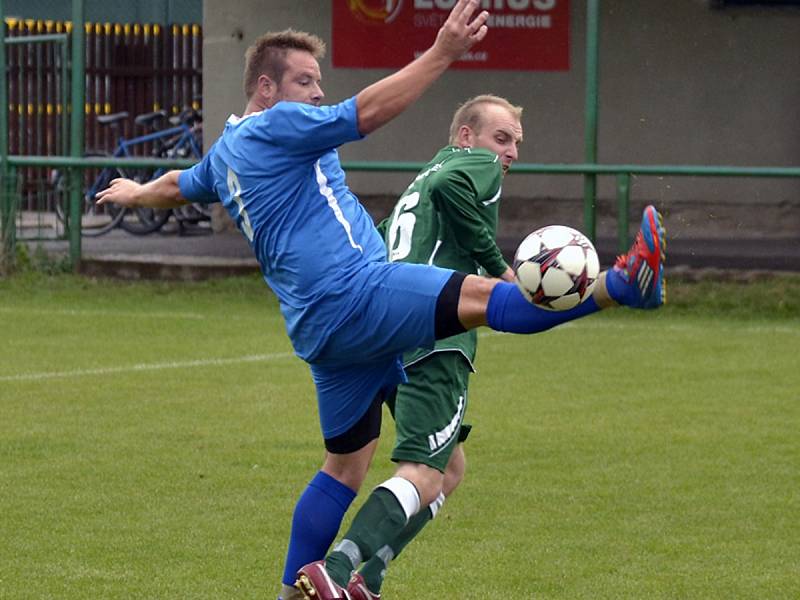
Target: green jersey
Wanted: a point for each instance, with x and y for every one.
(448, 217)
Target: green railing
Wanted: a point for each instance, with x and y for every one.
(8, 179)
(8, 175)
(72, 167)
(622, 173)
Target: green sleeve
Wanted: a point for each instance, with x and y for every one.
(456, 194)
(382, 226)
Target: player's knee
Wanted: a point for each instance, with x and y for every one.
(431, 492)
(350, 469)
(474, 299)
(350, 475)
(427, 480)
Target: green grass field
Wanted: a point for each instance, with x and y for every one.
(154, 438)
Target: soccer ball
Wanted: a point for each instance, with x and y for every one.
(556, 267)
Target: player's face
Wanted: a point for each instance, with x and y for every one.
(301, 80)
(500, 132)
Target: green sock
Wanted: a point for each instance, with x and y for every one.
(374, 570)
(378, 522)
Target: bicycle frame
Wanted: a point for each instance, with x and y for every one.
(125, 145)
(184, 131)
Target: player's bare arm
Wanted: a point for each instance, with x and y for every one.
(159, 193)
(384, 100)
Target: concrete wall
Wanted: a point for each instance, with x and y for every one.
(681, 83)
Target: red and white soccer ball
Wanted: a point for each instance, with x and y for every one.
(556, 267)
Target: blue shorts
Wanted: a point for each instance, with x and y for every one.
(396, 313)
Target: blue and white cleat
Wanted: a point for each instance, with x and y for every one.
(637, 278)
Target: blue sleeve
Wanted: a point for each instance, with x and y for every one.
(197, 182)
(305, 129)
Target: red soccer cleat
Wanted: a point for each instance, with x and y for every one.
(637, 279)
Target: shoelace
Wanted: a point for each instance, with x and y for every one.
(621, 262)
(622, 259)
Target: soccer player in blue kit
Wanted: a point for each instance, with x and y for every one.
(348, 312)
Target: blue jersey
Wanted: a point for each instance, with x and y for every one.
(278, 175)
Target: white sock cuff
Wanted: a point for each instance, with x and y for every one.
(436, 505)
(406, 494)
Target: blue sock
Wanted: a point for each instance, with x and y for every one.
(317, 517)
(509, 311)
(617, 287)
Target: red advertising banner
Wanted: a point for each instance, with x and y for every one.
(524, 35)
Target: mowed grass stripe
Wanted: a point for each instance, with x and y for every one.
(587, 324)
(208, 362)
(24, 311)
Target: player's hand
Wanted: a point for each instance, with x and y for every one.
(461, 31)
(121, 191)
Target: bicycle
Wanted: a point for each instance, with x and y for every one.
(97, 220)
(179, 146)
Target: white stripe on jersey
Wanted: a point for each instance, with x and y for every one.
(435, 250)
(494, 198)
(326, 191)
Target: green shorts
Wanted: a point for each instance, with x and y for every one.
(429, 409)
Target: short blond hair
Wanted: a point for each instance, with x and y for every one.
(470, 113)
(267, 55)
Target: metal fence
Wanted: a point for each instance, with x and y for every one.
(130, 67)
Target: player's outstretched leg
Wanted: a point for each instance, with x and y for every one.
(315, 583)
(637, 279)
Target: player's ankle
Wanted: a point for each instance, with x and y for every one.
(616, 286)
(339, 567)
(601, 295)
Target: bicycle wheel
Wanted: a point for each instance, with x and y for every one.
(194, 213)
(95, 220)
(140, 220)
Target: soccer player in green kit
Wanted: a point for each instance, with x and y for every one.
(447, 217)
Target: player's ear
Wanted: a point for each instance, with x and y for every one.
(465, 137)
(266, 89)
